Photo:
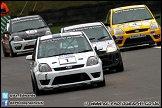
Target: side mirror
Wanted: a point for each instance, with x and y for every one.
(29, 57)
(156, 17)
(50, 24)
(107, 24)
(6, 32)
(97, 48)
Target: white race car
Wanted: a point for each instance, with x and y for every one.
(99, 36)
(64, 59)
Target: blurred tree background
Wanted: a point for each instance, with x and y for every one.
(23, 7)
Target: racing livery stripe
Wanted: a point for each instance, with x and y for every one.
(24, 19)
(83, 28)
(130, 9)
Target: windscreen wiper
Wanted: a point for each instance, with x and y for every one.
(40, 27)
(25, 29)
(91, 38)
(136, 20)
(84, 51)
(60, 54)
(102, 37)
(146, 18)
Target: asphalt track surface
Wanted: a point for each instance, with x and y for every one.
(139, 84)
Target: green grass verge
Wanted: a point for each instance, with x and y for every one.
(23, 7)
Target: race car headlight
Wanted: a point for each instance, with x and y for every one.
(111, 48)
(153, 26)
(48, 33)
(43, 67)
(118, 31)
(17, 38)
(92, 61)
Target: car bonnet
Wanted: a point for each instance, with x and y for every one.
(31, 34)
(61, 60)
(135, 25)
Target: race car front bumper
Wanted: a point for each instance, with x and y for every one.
(22, 46)
(110, 60)
(65, 78)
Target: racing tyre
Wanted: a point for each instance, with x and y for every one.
(102, 83)
(12, 53)
(151, 43)
(4, 52)
(158, 43)
(35, 87)
(33, 84)
(120, 67)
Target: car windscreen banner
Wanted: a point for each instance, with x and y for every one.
(4, 20)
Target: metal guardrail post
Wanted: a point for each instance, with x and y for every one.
(4, 20)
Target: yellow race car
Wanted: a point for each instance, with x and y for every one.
(133, 25)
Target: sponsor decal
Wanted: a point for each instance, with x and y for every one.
(135, 24)
(131, 9)
(83, 28)
(16, 20)
(56, 38)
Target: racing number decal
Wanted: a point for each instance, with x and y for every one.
(31, 31)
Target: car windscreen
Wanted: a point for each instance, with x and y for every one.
(129, 15)
(62, 46)
(94, 33)
(24, 25)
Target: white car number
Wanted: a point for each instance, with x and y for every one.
(66, 60)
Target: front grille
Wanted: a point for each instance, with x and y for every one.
(109, 59)
(70, 78)
(29, 46)
(134, 31)
(137, 41)
(69, 67)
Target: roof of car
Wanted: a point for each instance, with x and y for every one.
(128, 7)
(61, 35)
(83, 25)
